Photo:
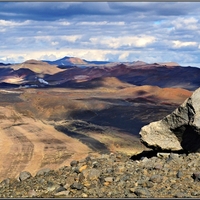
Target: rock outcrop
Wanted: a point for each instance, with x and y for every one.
(179, 130)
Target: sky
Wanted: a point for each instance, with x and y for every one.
(101, 31)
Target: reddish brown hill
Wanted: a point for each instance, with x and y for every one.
(38, 67)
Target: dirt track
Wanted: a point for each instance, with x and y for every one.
(32, 145)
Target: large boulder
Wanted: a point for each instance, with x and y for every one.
(179, 130)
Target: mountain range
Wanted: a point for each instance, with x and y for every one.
(76, 72)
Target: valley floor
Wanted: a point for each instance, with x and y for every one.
(42, 128)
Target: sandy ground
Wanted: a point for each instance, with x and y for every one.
(30, 145)
(30, 142)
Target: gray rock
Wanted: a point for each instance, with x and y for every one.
(156, 179)
(131, 195)
(179, 174)
(177, 131)
(180, 195)
(142, 192)
(76, 185)
(74, 163)
(163, 155)
(52, 186)
(174, 156)
(24, 175)
(195, 193)
(62, 193)
(158, 166)
(5, 182)
(60, 189)
(109, 179)
(95, 164)
(43, 171)
(196, 176)
(90, 174)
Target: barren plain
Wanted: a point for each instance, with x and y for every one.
(50, 127)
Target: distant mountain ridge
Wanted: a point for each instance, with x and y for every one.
(69, 61)
(74, 61)
(76, 72)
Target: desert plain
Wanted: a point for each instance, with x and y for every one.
(50, 127)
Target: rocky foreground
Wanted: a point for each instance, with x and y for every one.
(115, 175)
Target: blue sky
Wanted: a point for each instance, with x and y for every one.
(110, 31)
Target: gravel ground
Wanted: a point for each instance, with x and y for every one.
(115, 175)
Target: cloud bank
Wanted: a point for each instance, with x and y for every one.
(110, 31)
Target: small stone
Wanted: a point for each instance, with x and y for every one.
(106, 183)
(120, 169)
(84, 195)
(180, 195)
(87, 184)
(91, 174)
(43, 171)
(163, 155)
(52, 186)
(62, 193)
(157, 166)
(125, 177)
(156, 179)
(142, 192)
(145, 172)
(195, 193)
(196, 176)
(70, 179)
(144, 159)
(109, 170)
(66, 186)
(131, 195)
(74, 163)
(88, 158)
(5, 182)
(149, 184)
(24, 175)
(76, 185)
(109, 179)
(132, 190)
(32, 193)
(60, 189)
(179, 174)
(173, 157)
(82, 168)
(95, 164)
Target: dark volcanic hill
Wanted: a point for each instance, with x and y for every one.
(148, 74)
(67, 72)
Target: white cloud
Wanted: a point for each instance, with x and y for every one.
(120, 23)
(2, 30)
(186, 23)
(13, 23)
(71, 38)
(63, 23)
(131, 41)
(101, 31)
(179, 44)
(54, 43)
(92, 23)
(124, 56)
(102, 55)
(88, 54)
